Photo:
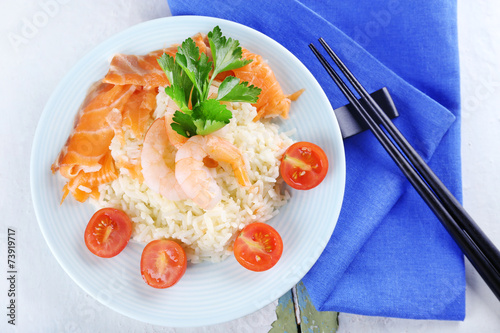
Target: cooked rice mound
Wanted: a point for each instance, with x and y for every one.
(205, 235)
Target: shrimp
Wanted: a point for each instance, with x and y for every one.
(157, 163)
(195, 178)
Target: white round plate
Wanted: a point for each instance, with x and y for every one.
(208, 293)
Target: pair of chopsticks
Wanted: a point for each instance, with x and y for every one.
(476, 246)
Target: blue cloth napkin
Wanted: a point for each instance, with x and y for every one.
(388, 255)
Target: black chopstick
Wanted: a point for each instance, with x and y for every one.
(455, 208)
(481, 252)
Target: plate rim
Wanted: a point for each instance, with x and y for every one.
(39, 130)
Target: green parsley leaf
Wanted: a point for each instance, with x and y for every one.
(210, 116)
(226, 53)
(180, 84)
(231, 90)
(183, 124)
(190, 80)
(196, 66)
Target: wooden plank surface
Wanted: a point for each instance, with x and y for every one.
(286, 315)
(301, 316)
(311, 320)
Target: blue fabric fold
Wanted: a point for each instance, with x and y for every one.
(388, 255)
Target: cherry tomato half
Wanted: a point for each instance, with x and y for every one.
(258, 247)
(163, 263)
(108, 232)
(304, 165)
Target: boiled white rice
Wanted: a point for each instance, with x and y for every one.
(206, 235)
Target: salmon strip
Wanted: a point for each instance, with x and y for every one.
(141, 99)
(95, 90)
(86, 184)
(144, 70)
(106, 174)
(141, 70)
(134, 169)
(89, 142)
(272, 101)
(137, 113)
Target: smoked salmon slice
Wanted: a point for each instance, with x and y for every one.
(86, 184)
(89, 142)
(137, 112)
(141, 70)
(144, 70)
(272, 101)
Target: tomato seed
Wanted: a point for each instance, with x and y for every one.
(104, 229)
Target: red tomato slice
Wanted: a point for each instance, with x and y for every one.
(304, 165)
(108, 232)
(258, 247)
(163, 263)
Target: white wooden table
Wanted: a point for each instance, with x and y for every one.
(41, 40)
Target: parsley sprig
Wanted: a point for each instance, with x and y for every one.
(191, 75)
